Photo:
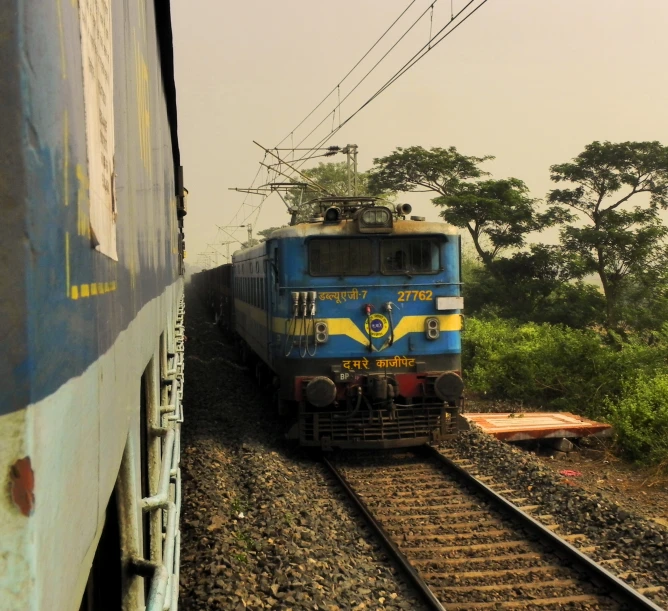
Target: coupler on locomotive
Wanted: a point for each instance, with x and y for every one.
(377, 410)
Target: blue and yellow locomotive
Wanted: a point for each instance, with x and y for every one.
(355, 316)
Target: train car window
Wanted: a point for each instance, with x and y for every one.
(410, 256)
(340, 257)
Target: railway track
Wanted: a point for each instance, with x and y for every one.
(467, 547)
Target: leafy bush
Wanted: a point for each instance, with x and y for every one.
(576, 370)
(640, 418)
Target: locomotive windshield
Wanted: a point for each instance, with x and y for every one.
(340, 257)
(409, 255)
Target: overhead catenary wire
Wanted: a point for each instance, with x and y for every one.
(415, 59)
(338, 85)
(424, 50)
(433, 41)
(336, 88)
(338, 106)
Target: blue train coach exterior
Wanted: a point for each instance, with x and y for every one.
(91, 260)
(356, 318)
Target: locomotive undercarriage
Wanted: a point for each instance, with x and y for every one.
(403, 423)
(379, 409)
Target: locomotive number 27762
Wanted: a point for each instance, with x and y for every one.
(414, 295)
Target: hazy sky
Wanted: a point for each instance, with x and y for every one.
(529, 81)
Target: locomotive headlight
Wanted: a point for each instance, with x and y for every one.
(432, 327)
(376, 217)
(375, 220)
(321, 332)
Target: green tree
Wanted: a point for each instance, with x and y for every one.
(333, 178)
(498, 214)
(533, 286)
(418, 169)
(614, 242)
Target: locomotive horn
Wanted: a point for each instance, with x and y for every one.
(404, 209)
(332, 214)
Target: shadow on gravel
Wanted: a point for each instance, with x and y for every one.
(263, 526)
(221, 395)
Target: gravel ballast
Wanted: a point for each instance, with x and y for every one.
(637, 547)
(263, 525)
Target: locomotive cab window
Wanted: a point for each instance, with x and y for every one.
(340, 257)
(410, 256)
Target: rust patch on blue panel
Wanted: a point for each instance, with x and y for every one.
(23, 485)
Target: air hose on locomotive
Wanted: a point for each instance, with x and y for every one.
(303, 311)
(290, 336)
(350, 414)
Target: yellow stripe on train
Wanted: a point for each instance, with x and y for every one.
(345, 326)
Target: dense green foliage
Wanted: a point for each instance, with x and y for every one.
(497, 214)
(531, 286)
(540, 331)
(640, 417)
(576, 370)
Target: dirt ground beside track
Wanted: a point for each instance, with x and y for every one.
(636, 488)
(640, 490)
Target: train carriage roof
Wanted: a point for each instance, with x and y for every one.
(349, 228)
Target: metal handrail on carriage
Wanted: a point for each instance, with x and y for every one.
(163, 592)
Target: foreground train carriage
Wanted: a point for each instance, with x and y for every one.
(91, 256)
(357, 318)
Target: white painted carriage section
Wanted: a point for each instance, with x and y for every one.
(75, 439)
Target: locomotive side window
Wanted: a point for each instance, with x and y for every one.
(412, 255)
(340, 257)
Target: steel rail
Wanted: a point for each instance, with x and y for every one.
(397, 554)
(617, 589)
